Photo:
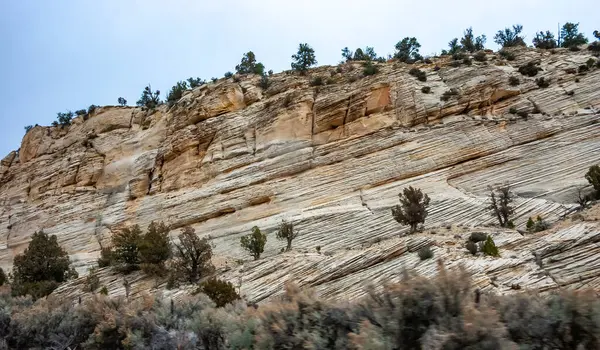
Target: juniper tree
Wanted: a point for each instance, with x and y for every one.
(544, 40)
(195, 82)
(176, 92)
(407, 50)
(122, 101)
(570, 36)
(154, 247)
(412, 209)
(501, 206)
(286, 232)
(593, 177)
(254, 243)
(470, 43)
(248, 65)
(149, 99)
(510, 37)
(192, 256)
(41, 267)
(304, 58)
(126, 247)
(219, 291)
(597, 34)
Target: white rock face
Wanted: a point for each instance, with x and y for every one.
(229, 156)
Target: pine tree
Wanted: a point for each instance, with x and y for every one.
(570, 36)
(192, 256)
(510, 37)
(149, 99)
(489, 247)
(544, 40)
(407, 50)
(248, 65)
(304, 58)
(155, 247)
(412, 209)
(254, 243)
(126, 247)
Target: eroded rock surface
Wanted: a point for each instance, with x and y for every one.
(331, 158)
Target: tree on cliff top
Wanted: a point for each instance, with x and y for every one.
(149, 99)
(412, 209)
(304, 58)
(570, 36)
(510, 37)
(248, 65)
(407, 50)
(41, 267)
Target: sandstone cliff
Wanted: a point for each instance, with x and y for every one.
(332, 159)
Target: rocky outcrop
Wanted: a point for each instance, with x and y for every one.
(331, 158)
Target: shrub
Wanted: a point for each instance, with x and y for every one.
(3, 278)
(41, 267)
(471, 247)
(509, 56)
(103, 290)
(248, 65)
(219, 291)
(107, 257)
(91, 109)
(407, 50)
(264, 82)
(195, 82)
(192, 256)
(286, 232)
(570, 36)
(501, 206)
(121, 101)
(467, 61)
(425, 253)
(419, 74)
(412, 209)
(542, 82)
(489, 247)
(154, 248)
(512, 110)
(510, 37)
(530, 69)
(447, 95)
(583, 69)
(538, 225)
(214, 80)
(176, 92)
(523, 114)
(330, 81)
(425, 89)
(470, 43)
(254, 243)
(92, 281)
(80, 112)
(27, 128)
(304, 58)
(63, 119)
(477, 237)
(544, 41)
(514, 81)
(594, 47)
(228, 75)
(593, 177)
(458, 56)
(480, 56)
(370, 69)
(454, 48)
(316, 81)
(126, 247)
(149, 99)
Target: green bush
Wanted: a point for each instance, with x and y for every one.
(92, 281)
(41, 267)
(583, 69)
(470, 43)
(149, 99)
(514, 81)
(510, 37)
(91, 109)
(126, 248)
(512, 110)
(176, 92)
(264, 82)
(530, 69)
(304, 58)
(121, 101)
(63, 119)
(407, 50)
(248, 65)
(254, 243)
(370, 69)
(489, 247)
(195, 82)
(103, 290)
(80, 112)
(570, 36)
(3, 278)
(467, 61)
(228, 75)
(154, 248)
(537, 226)
(419, 74)
(544, 41)
(107, 257)
(593, 177)
(219, 291)
(425, 89)
(447, 95)
(412, 210)
(542, 82)
(425, 253)
(27, 128)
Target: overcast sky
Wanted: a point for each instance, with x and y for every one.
(68, 54)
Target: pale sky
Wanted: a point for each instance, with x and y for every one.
(68, 54)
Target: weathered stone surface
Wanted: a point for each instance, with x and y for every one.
(333, 159)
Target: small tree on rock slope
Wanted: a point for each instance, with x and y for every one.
(500, 205)
(192, 256)
(593, 176)
(286, 232)
(304, 58)
(412, 209)
(254, 243)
